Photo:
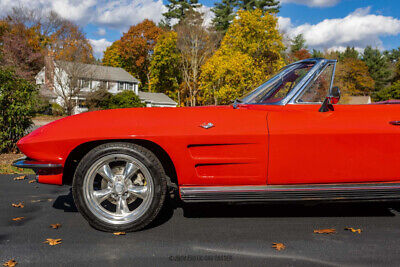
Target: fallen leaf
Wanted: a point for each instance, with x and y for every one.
(325, 231)
(19, 205)
(353, 230)
(55, 226)
(23, 177)
(278, 246)
(32, 181)
(10, 263)
(18, 219)
(53, 242)
(119, 233)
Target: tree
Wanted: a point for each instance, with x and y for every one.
(224, 14)
(177, 10)
(271, 6)
(390, 92)
(378, 67)
(137, 48)
(17, 104)
(165, 72)
(68, 82)
(19, 52)
(298, 43)
(225, 11)
(317, 54)
(195, 44)
(249, 53)
(112, 56)
(350, 52)
(353, 78)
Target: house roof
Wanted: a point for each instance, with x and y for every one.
(97, 72)
(46, 92)
(157, 98)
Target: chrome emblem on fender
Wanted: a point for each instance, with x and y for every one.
(207, 125)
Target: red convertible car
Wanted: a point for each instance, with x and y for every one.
(287, 140)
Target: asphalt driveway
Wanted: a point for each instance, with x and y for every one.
(196, 234)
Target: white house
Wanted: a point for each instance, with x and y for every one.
(60, 78)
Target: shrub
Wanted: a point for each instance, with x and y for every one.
(57, 110)
(125, 99)
(99, 99)
(391, 92)
(17, 108)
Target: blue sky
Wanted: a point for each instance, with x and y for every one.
(326, 24)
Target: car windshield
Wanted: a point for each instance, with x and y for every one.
(279, 86)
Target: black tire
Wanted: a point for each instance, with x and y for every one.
(147, 158)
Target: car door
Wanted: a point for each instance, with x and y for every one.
(352, 143)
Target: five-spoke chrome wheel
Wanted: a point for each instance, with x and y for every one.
(118, 189)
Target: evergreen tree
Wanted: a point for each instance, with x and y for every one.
(377, 67)
(317, 54)
(225, 11)
(177, 9)
(298, 43)
(224, 14)
(350, 52)
(265, 5)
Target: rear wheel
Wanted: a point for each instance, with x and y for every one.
(119, 187)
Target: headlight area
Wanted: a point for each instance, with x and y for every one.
(46, 172)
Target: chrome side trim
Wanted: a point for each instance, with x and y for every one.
(369, 191)
(34, 164)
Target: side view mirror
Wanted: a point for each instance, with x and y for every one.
(330, 100)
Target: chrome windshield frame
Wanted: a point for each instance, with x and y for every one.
(319, 65)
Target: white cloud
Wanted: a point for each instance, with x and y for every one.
(357, 29)
(99, 46)
(118, 14)
(101, 31)
(313, 3)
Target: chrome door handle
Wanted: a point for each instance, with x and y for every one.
(396, 123)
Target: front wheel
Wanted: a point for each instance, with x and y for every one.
(119, 187)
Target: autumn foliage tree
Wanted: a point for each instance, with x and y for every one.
(137, 47)
(165, 71)
(112, 56)
(250, 52)
(353, 78)
(196, 44)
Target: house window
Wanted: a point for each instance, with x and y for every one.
(120, 86)
(85, 83)
(130, 86)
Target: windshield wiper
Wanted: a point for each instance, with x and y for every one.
(236, 102)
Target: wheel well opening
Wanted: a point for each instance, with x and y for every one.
(80, 151)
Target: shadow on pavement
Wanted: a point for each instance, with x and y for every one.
(65, 202)
(291, 210)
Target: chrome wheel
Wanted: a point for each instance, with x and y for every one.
(118, 189)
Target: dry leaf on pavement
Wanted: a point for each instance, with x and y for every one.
(119, 233)
(32, 181)
(23, 177)
(18, 219)
(353, 230)
(10, 263)
(278, 246)
(325, 231)
(19, 205)
(55, 226)
(53, 242)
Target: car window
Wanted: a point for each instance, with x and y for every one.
(278, 87)
(317, 90)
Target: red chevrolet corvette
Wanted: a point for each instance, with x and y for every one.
(288, 140)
